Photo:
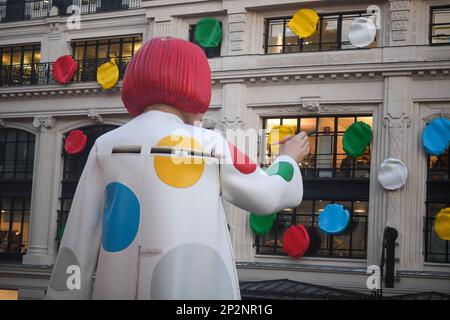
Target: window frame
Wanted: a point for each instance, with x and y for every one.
(435, 195)
(295, 219)
(17, 188)
(300, 40)
(356, 188)
(7, 71)
(431, 25)
(87, 68)
(210, 53)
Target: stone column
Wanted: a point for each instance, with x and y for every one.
(42, 194)
(233, 117)
(398, 108)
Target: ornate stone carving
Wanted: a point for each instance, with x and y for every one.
(395, 126)
(46, 122)
(236, 29)
(433, 116)
(399, 5)
(94, 115)
(208, 124)
(235, 123)
(399, 19)
(399, 25)
(313, 108)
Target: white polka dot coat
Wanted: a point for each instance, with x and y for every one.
(144, 226)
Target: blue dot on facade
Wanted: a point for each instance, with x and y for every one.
(334, 219)
(121, 217)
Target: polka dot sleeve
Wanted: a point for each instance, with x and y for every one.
(260, 191)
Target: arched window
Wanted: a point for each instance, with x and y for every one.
(73, 168)
(16, 174)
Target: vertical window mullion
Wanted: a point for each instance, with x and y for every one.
(321, 32)
(315, 148)
(10, 227)
(284, 36)
(21, 224)
(16, 149)
(335, 142)
(350, 247)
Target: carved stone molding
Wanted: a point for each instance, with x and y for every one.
(314, 108)
(236, 28)
(399, 19)
(395, 126)
(208, 124)
(433, 116)
(95, 116)
(46, 122)
(234, 124)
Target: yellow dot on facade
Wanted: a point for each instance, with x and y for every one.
(181, 171)
(304, 23)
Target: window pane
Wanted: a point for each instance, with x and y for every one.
(344, 123)
(275, 33)
(441, 34)
(103, 51)
(437, 247)
(271, 123)
(346, 23)
(4, 229)
(90, 52)
(138, 44)
(438, 167)
(114, 50)
(290, 37)
(290, 122)
(326, 125)
(17, 57)
(367, 120)
(127, 49)
(275, 49)
(441, 16)
(312, 43)
(329, 33)
(6, 59)
(291, 49)
(28, 57)
(79, 53)
(308, 124)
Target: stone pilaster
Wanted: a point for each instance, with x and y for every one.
(42, 194)
(236, 33)
(398, 108)
(399, 18)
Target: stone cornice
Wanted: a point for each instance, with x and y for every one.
(253, 76)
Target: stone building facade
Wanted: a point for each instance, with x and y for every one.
(398, 84)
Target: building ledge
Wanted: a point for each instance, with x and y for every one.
(298, 267)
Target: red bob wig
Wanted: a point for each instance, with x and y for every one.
(168, 71)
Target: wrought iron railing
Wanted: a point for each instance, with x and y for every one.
(41, 73)
(96, 6)
(24, 10)
(20, 10)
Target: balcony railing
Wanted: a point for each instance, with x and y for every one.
(41, 73)
(20, 10)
